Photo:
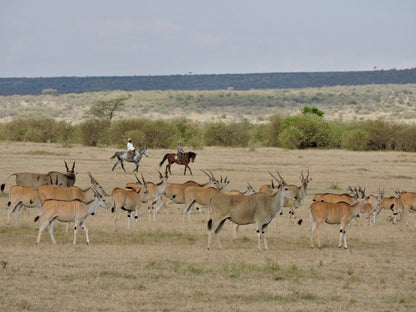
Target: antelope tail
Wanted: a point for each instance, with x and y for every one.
(2, 187)
(114, 156)
(163, 160)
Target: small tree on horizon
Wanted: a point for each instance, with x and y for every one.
(105, 109)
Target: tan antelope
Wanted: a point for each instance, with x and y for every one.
(249, 191)
(351, 197)
(334, 213)
(407, 203)
(370, 207)
(154, 192)
(68, 211)
(202, 196)
(20, 196)
(52, 178)
(176, 191)
(258, 208)
(299, 192)
(387, 203)
(127, 200)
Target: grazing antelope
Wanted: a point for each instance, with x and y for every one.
(128, 200)
(334, 213)
(68, 211)
(20, 196)
(258, 208)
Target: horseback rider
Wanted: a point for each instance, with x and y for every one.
(130, 149)
(179, 152)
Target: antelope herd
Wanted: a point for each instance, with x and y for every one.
(58, 199)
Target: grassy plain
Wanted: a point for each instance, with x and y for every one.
(165, 266)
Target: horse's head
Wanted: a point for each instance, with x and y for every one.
(192, 156)
(146, 151)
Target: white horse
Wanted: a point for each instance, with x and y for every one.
(123, 155)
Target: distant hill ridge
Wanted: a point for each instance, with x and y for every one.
(34, 86)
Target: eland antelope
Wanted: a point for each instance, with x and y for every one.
(128, 200)
(20, 196)
(258, 208)
(68, 211)
(334, 213)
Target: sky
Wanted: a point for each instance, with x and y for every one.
(56, 38)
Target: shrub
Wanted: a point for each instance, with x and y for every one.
(311, 131)
(221, 134)
(355, 139)
(94, 132)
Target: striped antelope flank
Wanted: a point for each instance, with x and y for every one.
(68, 211)
(176, 191)
(20, 196)
(127, 200)
(202, 196)
(299, 192)
(258, 208)
(334, 213)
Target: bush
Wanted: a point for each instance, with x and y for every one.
(355, 139)
(94, 132)
(234, 134)
(310, 130)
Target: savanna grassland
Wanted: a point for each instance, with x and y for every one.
(165, 266)
(343, 103)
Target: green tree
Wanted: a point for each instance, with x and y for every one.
(105, 109)
(312, 110)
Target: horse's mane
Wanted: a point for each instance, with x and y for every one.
(191, 154)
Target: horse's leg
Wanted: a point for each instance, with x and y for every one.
(137, 167)
(122, 165)
(190, 170)
(115, 165)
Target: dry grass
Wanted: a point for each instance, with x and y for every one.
(165, 266)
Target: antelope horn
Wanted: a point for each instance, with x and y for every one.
(143, 179)
(66, 166)
(160, 175)
(249, 185)
(92, 179)
(206, 173)
(73, 166)
(211, 173)
(274, 178)
(283, 180)
(138, 180)
(301, 174)
(307, 176)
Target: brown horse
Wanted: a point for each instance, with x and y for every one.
(186, 159)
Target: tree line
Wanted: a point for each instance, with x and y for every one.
(64, 85)
(306, 130)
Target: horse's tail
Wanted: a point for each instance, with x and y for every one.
(163, 160)
(114, 156)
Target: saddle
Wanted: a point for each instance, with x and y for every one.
(131, 154)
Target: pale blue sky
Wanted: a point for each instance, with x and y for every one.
(50, 38)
